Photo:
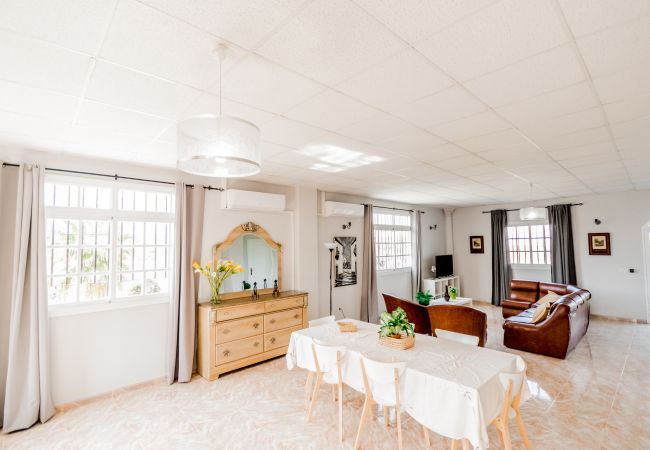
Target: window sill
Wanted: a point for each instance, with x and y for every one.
(103, 305)
(531, 266)
(393, 271)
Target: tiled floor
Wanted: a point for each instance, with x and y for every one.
(598, 398)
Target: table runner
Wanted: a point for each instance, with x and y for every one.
(451, 388)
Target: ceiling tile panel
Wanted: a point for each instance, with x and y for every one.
(36, 102)
(75, 24)
(624, 85)
(110, 118)
(398, 80)
(331, 40)
(153, 42)
(377, 128)
(245, 23)
(477, 125)
(589, 16)
(38, 64)
(546, 106)
(451, 104)
(412, 143)
(500, 140)
(125, 88)
(494, 37)
(209, 104)
(283, 131)
(624, 110)
(260, 83)
(330, 110)
(565, 141)
(565, 124)
(538, 74)
(618, 48)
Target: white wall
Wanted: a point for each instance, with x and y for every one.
(615, 291)
(396, 283)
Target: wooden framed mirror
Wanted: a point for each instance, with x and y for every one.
(252, 247)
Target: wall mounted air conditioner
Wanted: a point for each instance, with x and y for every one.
(250, 200)
(342, 209)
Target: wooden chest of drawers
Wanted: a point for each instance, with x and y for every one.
(240, 332)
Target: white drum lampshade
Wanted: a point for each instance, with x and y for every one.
(218, 146)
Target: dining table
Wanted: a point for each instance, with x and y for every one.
(452, 388)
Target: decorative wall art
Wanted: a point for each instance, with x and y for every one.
(345, 261)
(599, 244)
(476, 244)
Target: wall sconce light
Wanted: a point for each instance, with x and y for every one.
(597, 221)
(433, 227)
(347, 226)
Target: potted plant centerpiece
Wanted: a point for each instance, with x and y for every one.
(424, 298)
(395, 330)
(453, 293)
(217, 275)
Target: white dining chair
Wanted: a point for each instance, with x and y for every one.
(381, 386)
(310, 376)
(458, 337)
(513, 384)
(327, 361)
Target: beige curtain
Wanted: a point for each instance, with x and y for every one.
(27, 392)
(181, 348)
(369, 305)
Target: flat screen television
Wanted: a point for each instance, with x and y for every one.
(444, 266)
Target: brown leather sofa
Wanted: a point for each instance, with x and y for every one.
(559, 332)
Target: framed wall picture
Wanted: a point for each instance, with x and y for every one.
(345, 261)
(476, 244)
(599, 244)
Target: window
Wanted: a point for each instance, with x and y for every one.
(529, 244)
(107, 240)
(393, 246)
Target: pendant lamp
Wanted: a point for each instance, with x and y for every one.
(217, 145)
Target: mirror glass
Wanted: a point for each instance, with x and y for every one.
(259, 260)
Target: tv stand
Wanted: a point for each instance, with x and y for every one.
(438, 286)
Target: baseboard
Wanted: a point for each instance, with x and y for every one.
(133, 387)
(618, 319)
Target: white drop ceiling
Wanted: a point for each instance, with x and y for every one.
(435, 102)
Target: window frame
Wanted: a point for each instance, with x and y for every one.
(408, 228)
(530, 266)
(114, 216)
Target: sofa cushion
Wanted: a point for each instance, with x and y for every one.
(548, 299)
(541, 312)
(524, 290)
(515, 304)
(559, 289)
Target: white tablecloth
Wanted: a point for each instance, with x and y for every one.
(451, 388)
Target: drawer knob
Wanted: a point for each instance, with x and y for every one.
(295, 316)
(256, 344)
(226, 353)
(272, 321)
(226, 331)
(272, 340)
(256, 325)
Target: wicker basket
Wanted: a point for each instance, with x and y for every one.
(403, 343)
(347, 327)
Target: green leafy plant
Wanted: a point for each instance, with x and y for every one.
(395, 324)
(453, 293)
(424, 298)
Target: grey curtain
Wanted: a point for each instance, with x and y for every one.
(27, 392)
(563, 263)
(181, 346)
(416, 271)
(500, 264)
(369, 306)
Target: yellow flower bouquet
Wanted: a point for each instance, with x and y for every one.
(217, 275)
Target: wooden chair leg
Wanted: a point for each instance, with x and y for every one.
(454, 444)
(465, 444)
(310, 380)
(398, 419)
(333, 393)
(314, 395)
(386, 416)
(522, 430)
(364, 414)
(505, 431)
(340, 411)
(427, 441)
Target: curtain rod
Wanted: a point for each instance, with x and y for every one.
(115, 177)
(395, 209)
(517, 209)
